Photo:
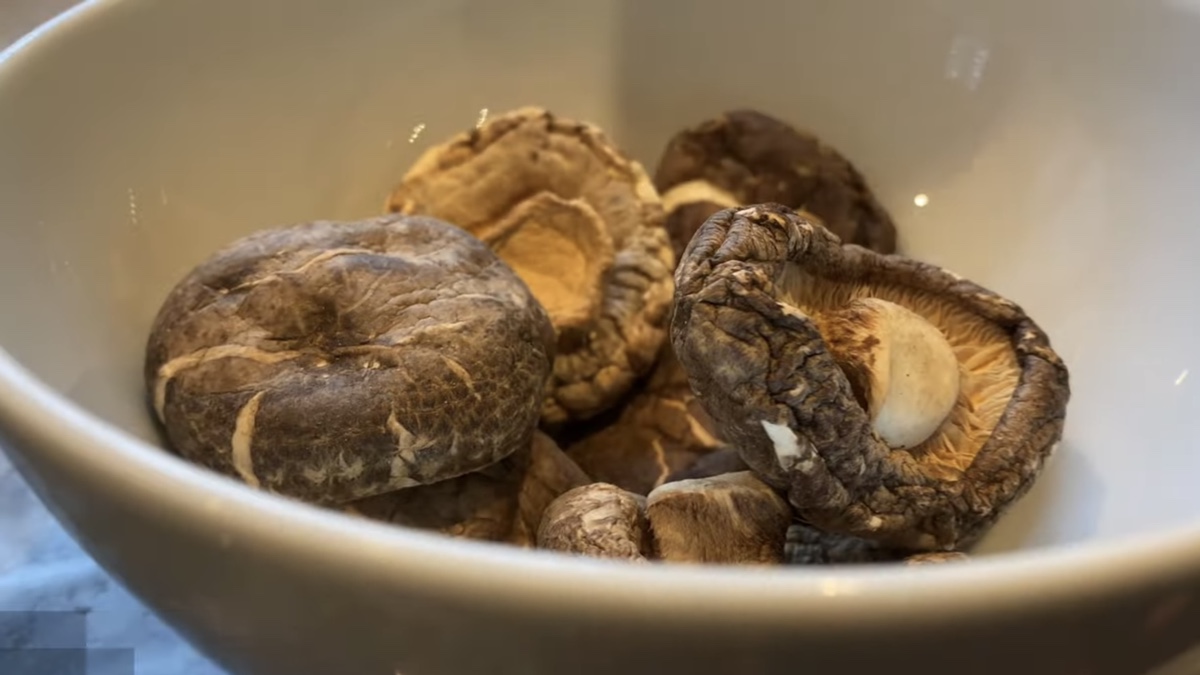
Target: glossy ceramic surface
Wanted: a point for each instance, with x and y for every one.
(1046, 150)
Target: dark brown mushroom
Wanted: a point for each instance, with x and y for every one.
(661, 430)
(502, 502)
(333, 361)
(729, 519)
(580, 223)
(747, 157)
(824, 364)
(809, 546)
(598, 520)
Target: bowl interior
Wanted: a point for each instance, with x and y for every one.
(1053, 145)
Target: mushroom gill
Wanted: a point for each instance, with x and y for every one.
(987, 360)
(893, 400)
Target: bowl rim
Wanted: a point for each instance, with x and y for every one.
(1027, 581)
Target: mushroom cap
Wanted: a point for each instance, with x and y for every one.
(748, 157)
(750, 291)
(663, 429)
(333, 361)
(581, 223)
(503, 502)
(729, 519)
(599, 520)
(479, 505)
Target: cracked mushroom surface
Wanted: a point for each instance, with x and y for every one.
(662, 430)
(333, 361)
(599, 520)
(747, 157)
(583, 226)
(503, 502)
(826, 364)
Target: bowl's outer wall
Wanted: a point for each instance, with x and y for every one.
(260, 606)
(1055, 144)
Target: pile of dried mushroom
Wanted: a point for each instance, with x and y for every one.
(542, 345)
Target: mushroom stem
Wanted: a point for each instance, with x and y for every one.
(901, 367)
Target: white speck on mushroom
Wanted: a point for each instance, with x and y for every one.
(407, 443)
(798, 390)
(660, 460)
(462, 374)
(315, 476)
(349, 470)
(243, 438)
(787, 446)
(791, 310)
(874, 523)
(604, 512)
(697, 191)
(702, 434)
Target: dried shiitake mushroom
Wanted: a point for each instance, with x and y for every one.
(747, 157)
(580, 223)
(661, 430)
(502, 502)
(728, 519)
(598, 520)
(333, 361)
(894, 401)
(809, 546)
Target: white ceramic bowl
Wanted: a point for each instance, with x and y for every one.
(1055, 143)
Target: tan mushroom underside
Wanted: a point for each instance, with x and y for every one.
(990, 371)
(561, 250)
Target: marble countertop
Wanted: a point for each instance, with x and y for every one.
(53, 597)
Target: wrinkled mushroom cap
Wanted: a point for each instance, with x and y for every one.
(503, 502)
(580, 223)
(751, 291)
(748, 157)
(598, 520)
(334, 361)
